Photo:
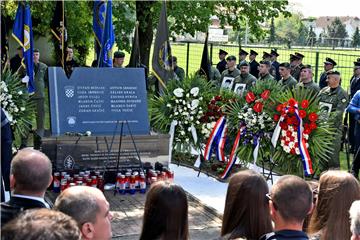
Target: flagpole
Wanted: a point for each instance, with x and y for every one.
(62, 35)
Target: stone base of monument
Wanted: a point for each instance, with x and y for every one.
(78, 153)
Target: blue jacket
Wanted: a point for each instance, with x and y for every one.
(354, 106)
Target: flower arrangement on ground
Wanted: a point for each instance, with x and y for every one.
(15, 103)
(302, 137)
(182, 106)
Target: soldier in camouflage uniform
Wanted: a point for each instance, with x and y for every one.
(337, 97)
(231, 72)
(306, 80)
(295, 68)
(287, 81)
(245, 77)
(264, 71)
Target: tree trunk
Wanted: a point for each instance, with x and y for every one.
(144, 16)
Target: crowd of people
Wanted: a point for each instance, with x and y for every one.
(295, 74)
(292, 209)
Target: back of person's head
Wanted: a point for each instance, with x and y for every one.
(41, 224)
(246, 210)
(165, 213)
(337, 190)
(88, 206)
(30, 172)
(292, 198)
(355, 220)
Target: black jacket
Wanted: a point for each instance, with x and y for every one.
(6, 154)
(10, 209)
(221, 66)
(285, 235)
(254, 68)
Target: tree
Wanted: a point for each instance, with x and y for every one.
(337, 31)
(272, 31)
(356, 38)
(288, 29)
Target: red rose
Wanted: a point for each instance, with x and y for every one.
(258, 107)
(313, 126)
(276, 117)
(313, 117)
(296, 144)
(295, 128)
(265, 94)
(292, 102)
(292, 138)
(288, 134)
(304, 103)
(279, 107)
(250, 97)
(291, 110)
(213, 101)
(289, 121)
(307, 131)
(292, 151)
(218, 98)
(302, 113)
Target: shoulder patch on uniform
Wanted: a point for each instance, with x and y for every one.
(343, 100)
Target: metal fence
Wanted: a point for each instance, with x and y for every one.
(189, 57)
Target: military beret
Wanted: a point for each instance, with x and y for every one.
(174, 59)
(252, 52)
(266, 55)
(307, 66)
(265, 62)
(119, 54)
(274, 52)
(243, 64)
(223, 52)
(294, 57)
(243, 52)
(333, 73)
(285, 65)
(330, 61)
(299, 55)
(231, 58)
(357, 64)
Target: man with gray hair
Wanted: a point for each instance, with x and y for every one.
(90, 209)
(30, 176)
(355, 220)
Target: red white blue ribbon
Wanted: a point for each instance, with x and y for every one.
(304, 153)
(233, 154)
(217, 138)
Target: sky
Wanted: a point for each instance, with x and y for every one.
(317, 8)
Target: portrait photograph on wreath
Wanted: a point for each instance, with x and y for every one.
(180, 120)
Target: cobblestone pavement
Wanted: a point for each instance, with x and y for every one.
(127, 210)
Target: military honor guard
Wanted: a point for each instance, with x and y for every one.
(254, 65)
(264, 71)
(295, 66)
(242, 57)
(306, 80)
(245, 77)
(275, 63)
(221, 66)
(335, 99)
(287, 81)
(329, 65)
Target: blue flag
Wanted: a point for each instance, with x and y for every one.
(22, 32)
(108, 39)
(98, 23)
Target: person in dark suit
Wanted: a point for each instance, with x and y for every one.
(15, 62)
(329, 65)
(242, 57)
(254, 65)
(275, 63)
(6, 154)
(30, 177)
(221, 66)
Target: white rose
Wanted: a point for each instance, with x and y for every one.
(201, 98)
(191, 118)
(20, 92)
(197, 122)
(286, 149)
(297, 150)
(168, 105)
(187, 95)
(294, 134)
(291, 144)
(22, 109)
(9, 96)
(178, 92)
(182, 133)
(186, 122)
(176, 113)
(176, 101)
(307, 145)
(306, 136)
(194, 91)
(195, 103)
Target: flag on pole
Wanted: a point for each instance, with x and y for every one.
(135, 60)
(22, 32)
(58, 29)
(205, 65)
(99, 11)
(108, 39)
(161, 61)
